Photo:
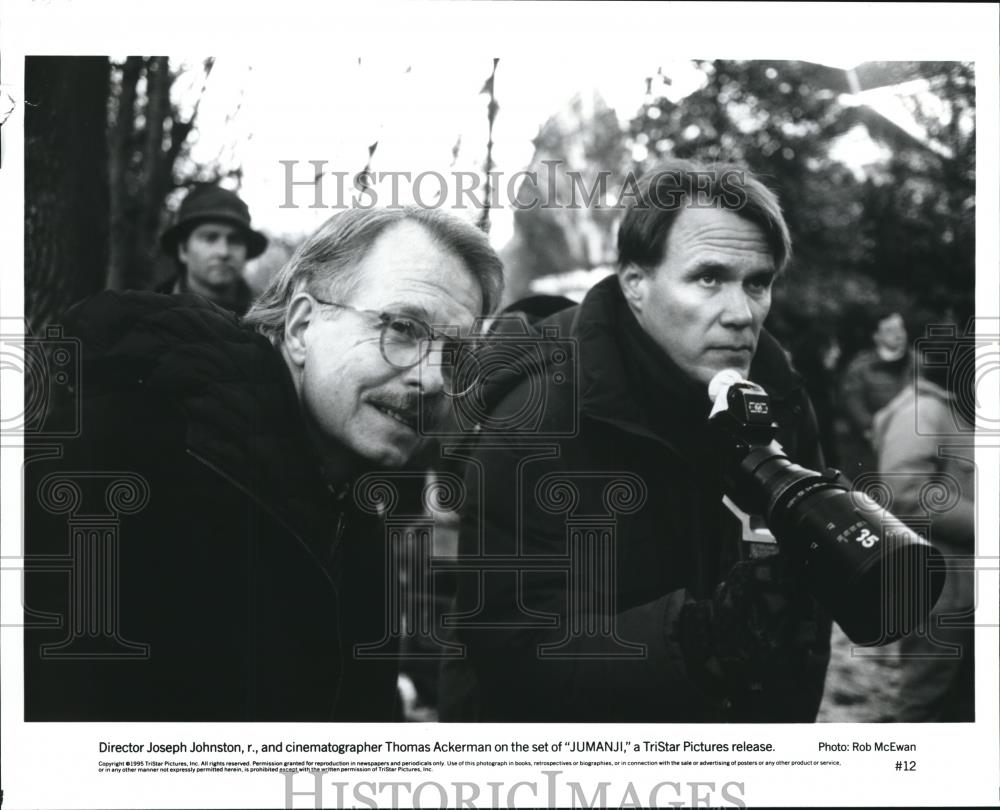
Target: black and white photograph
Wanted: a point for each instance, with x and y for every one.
(538, 421)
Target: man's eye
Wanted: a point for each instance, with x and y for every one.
(761, 284)
(403, 328)
(708, 279)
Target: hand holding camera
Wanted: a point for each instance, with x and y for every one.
(758, 620)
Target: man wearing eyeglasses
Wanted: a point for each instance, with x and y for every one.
(241, 572)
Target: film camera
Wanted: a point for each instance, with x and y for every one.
(876, 577)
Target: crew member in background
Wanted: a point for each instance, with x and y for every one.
(211, 242)
(912, 435)
(871, 379)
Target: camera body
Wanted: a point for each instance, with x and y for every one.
(959, 364)
(512, 354)
(50, 367)
(876, 577)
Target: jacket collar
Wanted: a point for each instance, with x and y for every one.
(623, 373)
(241, 302)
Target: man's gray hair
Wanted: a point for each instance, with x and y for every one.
(673, 184)
(330, 256)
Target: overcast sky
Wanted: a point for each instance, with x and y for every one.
(323, 108)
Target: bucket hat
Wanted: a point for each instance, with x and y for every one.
(210, 203)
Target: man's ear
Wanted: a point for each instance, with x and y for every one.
(633, 280)
(182, 250)
(298, 316)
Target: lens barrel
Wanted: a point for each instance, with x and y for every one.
(877, 577)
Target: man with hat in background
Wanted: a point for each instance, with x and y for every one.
(211, 241)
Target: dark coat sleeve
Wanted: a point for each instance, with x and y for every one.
(543, 644)
(542, 651)
(156, 588)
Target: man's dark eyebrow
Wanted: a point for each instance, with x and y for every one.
(724, 269)
(708, 267)
(406, 308)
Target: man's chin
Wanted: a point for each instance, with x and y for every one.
(389, 455)
(221, 280)
(706, 373)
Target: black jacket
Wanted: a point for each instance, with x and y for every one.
(185, 559)
(595, 506)
(178, 285)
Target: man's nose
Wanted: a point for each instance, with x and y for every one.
(736, 309)
(223, 247)
(428, 374)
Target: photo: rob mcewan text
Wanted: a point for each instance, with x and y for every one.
(397, 415)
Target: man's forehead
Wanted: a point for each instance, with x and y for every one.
(407, 269)
(704, 234)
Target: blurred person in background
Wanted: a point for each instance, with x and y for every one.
(870, 380)
(211, 242)
(911, 435)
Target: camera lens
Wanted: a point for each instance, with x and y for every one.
(877, 577)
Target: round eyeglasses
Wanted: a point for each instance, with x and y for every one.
(406, 340)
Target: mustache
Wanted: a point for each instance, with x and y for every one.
(423, 410)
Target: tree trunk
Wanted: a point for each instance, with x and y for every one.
(120, 135)
(66, 183)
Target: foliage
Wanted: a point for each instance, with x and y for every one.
(579, 152)
(149, 137)
(904, 230)
(105, 147)
(920, 222)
